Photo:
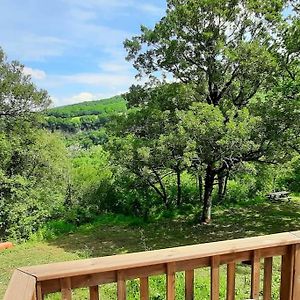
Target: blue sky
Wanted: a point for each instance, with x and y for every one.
(74, 48)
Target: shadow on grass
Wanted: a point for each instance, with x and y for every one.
(228, 223)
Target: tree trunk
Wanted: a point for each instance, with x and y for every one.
(178, 177)
(222, 185)
(200, 187)
(163, 191)
(207, 200)
(162, 194)
(225, 185)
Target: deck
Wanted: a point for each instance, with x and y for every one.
(33, 283)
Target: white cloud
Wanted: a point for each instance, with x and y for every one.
(34, 73)
(82, 97)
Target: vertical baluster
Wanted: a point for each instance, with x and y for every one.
(230, 281)
(189, 284)
(255, 276)
(144, 288)
(268, 278)
(171, 281)
(121, 286)
(215, 278)
(296, 289)
(39, 293)
(66, 292)
(287, 269)
(94, 292)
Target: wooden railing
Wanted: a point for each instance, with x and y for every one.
(31, 283)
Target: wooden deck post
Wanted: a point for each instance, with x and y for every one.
(296, 285)
(121, 286)
(255, 275)
(189, 284)
(94, 292)
(144, 288)
(268, 264)
(230, 281)
(287, 274)
(66, 292)
(171, 281)
(215, 278)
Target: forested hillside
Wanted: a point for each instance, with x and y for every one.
(84, 116)
(84, 123)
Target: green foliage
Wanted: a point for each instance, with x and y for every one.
(99, 107)
(33, 161)
(85, 116)
(229, 119)
(52, 230)
(32, 182)
(19, 97)
(89, 185)
(290, 176)
(241, 63)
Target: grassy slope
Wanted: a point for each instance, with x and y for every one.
(114, 104)
(111, 236)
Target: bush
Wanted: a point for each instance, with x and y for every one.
(32, 184)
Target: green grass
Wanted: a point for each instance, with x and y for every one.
(104, 106)
(110, 235)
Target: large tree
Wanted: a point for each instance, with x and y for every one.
(32, 161)
(19, 97)
(233, 53)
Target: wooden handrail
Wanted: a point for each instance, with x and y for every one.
(65, 276)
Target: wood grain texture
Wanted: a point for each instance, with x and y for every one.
(215, 278)
(92, 272)
(80, 281)
(170, 281)
(189, 284)
(94, 292)
(135, 260)
(144, 288)
(230, 281)
(287, 270)
(268, 265)
(66, 291)
(21, 287)
(121, 286)
(296, 285)
(39, 293)
(255, 276)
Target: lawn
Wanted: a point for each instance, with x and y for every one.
(114, 235)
